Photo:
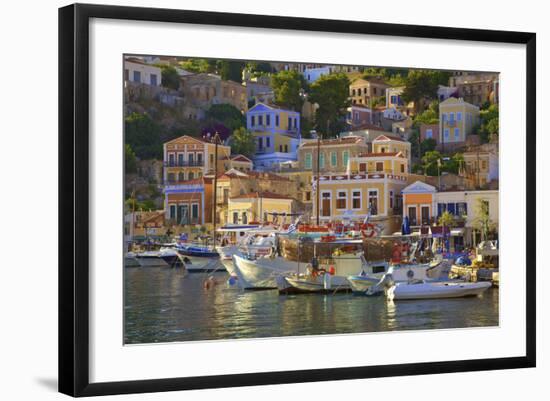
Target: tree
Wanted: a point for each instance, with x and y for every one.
(430, 162)
(142, 133)
(483, 220)
(170, 77)
(225, 114)
(199, 65)
(231, 70)
(427, 145)
(288, 87)
(331, 93)
(423, 84)
(242, 142)
(130, 161)
(446, 219)
(428, 116)
(258, 69)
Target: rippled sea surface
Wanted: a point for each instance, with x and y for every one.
(165, 305)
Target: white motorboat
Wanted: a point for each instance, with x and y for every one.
(372, 279)
(421, 289)
(261, 273)
(255, 245)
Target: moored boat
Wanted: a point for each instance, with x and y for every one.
(435, 289)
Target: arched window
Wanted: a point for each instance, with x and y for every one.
(181, 176)
(191, 175)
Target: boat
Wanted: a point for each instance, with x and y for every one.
(374, 281)
(422, 289)
(165, 257)
(329, 276)
(261, 273)
(196, 250)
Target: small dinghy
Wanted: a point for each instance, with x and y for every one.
(435, 289)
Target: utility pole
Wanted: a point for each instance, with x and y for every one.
(216, 140)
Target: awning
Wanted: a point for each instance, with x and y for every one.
(457, 232)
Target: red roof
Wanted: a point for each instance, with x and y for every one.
(255, 195)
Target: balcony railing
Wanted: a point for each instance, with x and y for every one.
(185, 163)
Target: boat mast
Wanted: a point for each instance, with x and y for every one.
(317, 176)
(216, 140)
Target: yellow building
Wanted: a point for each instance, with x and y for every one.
(457, 119)
(237, 162)
(371, 186)
(187, 192)
(259, 207)
(334, 153)
(392, 144)
(363, 91)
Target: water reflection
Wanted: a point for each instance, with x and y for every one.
(163, 305)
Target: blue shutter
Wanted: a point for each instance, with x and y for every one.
(440, 209)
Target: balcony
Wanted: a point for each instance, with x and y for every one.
(185, 163)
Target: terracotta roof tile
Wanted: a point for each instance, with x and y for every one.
(255, 195)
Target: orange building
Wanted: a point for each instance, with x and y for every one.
(419, 203)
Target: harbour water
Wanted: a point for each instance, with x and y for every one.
(167, 305)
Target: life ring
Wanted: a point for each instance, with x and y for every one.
(410, 274)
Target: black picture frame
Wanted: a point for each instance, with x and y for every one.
(74, 198)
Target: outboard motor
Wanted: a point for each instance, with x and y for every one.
(385, 282)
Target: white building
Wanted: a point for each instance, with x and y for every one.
(137, 71)
(313, 74)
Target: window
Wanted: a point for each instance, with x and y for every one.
(425, 212)
(252, 121)
(379, 166)
(195, 211)
(322, 160)
(345, 157)
(451, 117)
(191, 158)
(333, 159)
(289, 123)
(459, 116)
(286, 148)
(171, 177)
(260, 120)
(137, 76)
(260, 143)
(484, 165)
(359, 92)
(172, 211)
(362, 167)
(325, 204)
(462, 209)
(191, 175)
(154, 79)
(280, 148)
(446, 133)
(211, 158)
(245, 219)
(391, 199)
(268, 120)
(181, 176)
(353, 92)
(373, 202)
(277, 120)
(180, 159)
(199, 159)
(356, 199)
(457, 133)
(267, 142)
(402, 168)
(393, 99)
(412, 215)
(308, 196)
(443, 117)
(341, 200)
(235, 218)
(429, 133)
(295, 123)
(308, 161)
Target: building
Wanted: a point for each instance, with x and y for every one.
(457, 119)
(237, 162)
(362, 91)
(392, 144)
(371, 186)
(358, 115)
(477, 88)
(313, 74)
(140, 225)
(259, 207)
(334, 153)
(187, 160)
(481, 167)
(138, 72)
(395, 101)
(423, 205)
(277, 134)
(429, 131)
(204, 90)
(445, 92)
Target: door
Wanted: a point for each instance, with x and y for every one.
(325, 205)
(412, 215)
(183, 215)
(425, 215)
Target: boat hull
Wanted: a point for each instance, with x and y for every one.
(436, 290)
(261, 273)
(318, 284)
